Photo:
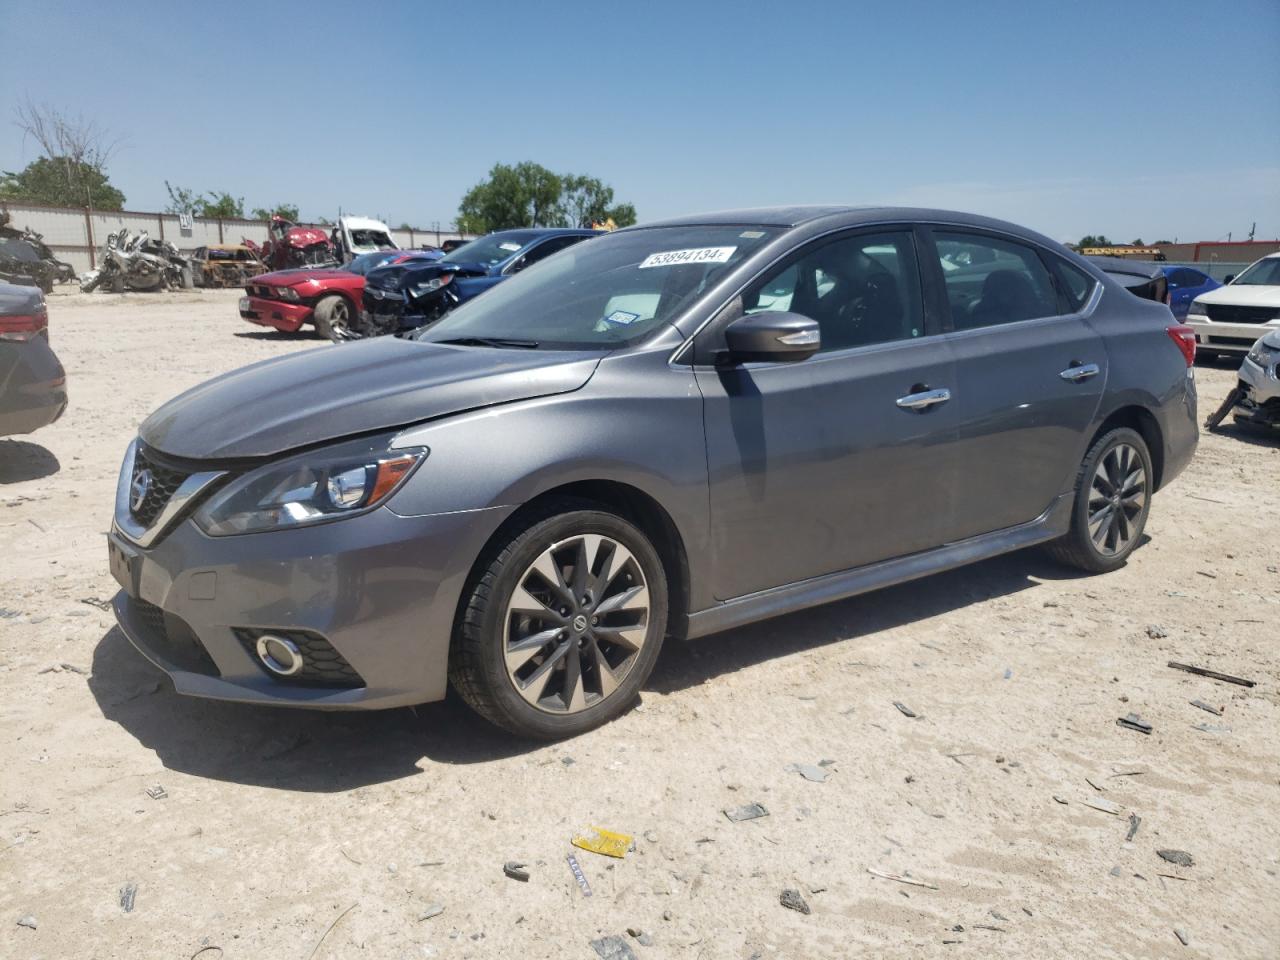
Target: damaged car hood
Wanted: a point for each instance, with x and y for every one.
(334, 392)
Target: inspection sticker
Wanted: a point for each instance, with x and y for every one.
(622, 318)
(509, 246)
(674, 258)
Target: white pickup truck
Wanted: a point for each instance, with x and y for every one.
(353, 236)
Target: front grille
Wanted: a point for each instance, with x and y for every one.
(172, 639)
(322, 665)
(1229, 313)
(163, 483)
(261, 290)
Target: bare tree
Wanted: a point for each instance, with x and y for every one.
(72, 142)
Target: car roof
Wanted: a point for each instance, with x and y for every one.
(841, 216)
(540, 232)
(1132, 268)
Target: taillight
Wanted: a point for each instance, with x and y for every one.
(23, 326)
(1185, 338)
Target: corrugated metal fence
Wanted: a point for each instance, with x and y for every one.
(77, 235)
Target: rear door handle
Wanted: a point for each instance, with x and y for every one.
(1080, 371)
(924, 399)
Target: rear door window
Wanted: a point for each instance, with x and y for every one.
(991, 280)
(1074, 284)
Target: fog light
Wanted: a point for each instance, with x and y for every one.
(279, 655)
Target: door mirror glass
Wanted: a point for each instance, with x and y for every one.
(776, 336)
(1228, 278)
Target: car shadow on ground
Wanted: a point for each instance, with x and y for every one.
(1254, 436)
(21, 460)
(330, 752)
(279, 336)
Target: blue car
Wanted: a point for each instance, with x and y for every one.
(1185, 284)
(405, 296)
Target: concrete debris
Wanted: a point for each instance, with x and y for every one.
(431, 910)
(751, 811)
(1135, 821)
(128, 894)
(1103, 804)
(613, 948)
(1134, 722)
(28, 921)
(1179, 857)
(1216, 711)
(1156, 632)
(792, 900)
(1181, 935)
(1211, 728)
(516, 871)
(157, 792)
(905, 710)
(640, 936)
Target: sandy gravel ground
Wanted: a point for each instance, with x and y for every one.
(296, 835)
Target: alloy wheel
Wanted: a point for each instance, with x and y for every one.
(575, 623)
(1117, 497)
(340, 321)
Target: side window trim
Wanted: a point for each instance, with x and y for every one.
(709, 340)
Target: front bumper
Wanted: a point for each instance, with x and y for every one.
(1261, 401)
(288, 317)
(381, 589)
(1228, 337)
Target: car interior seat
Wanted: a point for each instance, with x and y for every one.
(1007, 295)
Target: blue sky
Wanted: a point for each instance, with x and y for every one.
(1130, 119)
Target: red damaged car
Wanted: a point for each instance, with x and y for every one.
(328, 297)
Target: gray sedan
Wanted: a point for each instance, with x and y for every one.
(33, 385)
(671, 430)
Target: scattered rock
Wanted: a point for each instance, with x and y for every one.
(1216, 711)
(28, 921)
(1180, 857)
(810, 772)
(128, 894)
(431, 910)
(157, 792)
(641, 937)
(1116, 872)
(1181, 935)
(568, 761)
(666, 914)
(613, 948)
(1134, 722)
(792, 900)
(1156, 632)
(516, 871)
(905, 710)
(1103, 804)
(1134, 822)
(651, 836)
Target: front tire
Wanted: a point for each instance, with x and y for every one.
(333, 319)
(562, 622)
(1113, 497)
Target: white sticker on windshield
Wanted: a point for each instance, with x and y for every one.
(509, 246)
(674, 258)
(622, 318)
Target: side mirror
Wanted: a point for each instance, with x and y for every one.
(773, 336)
(1228, 278)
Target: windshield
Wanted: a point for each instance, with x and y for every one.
(18, 250)
(608, 291)
(1263, 273)
(492, 249)
(371, 240)
(367, 261)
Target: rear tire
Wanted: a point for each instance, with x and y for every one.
(1112, 500)
(545, 673)
(333, 318)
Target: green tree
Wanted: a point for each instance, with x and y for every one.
(623, 215)
(181, 200)
(1089, 240)
(223, 205)
(520, 195)
(60, 182)
(1137, 243)
(287, 210)
(72, 171)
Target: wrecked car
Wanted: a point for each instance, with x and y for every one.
(224, 265)
(353, 236)
(1255, 402)
(408, 296)
(134, 261)
(25, 258)
(289, 245)
(329, 297)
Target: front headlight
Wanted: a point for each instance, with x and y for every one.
(435, 283)
(1197, 307)
(1263, 355)
(287, 293)
(326, 484)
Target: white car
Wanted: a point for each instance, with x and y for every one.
(353, 236)
(1231, 318)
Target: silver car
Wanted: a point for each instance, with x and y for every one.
(671, 430)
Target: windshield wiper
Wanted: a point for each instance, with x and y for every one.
(491, 342)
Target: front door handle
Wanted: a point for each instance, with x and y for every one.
(924, 399)
(1080, 371)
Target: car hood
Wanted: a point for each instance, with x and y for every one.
(295, 275)
(1244, 295)
(335, 392)
(398, 276)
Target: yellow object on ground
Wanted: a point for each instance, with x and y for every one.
(607, 842)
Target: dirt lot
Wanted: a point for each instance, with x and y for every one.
(282, 831)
